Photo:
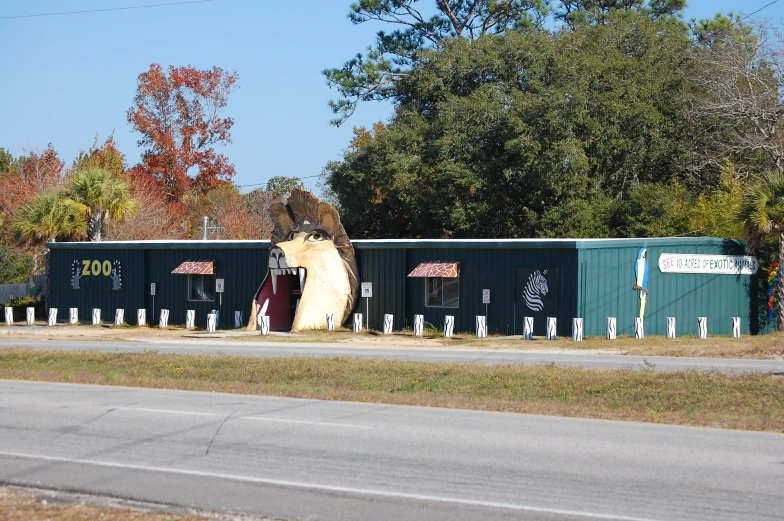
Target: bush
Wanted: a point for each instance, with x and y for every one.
(20, 305)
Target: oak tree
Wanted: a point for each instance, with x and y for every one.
(179, 115)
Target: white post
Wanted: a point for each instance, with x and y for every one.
(52, 317)
(735, 327)
(30, 316)
(264, 322)
(190, 318)
(357, 322)
(141, 317)
(9, 316)
(612, 328)
(238, 319)
(389, 320)
(119, 317)
(577, 329)
(330, 322)
(73, 315)
(419, 325)
(449, 325)
(670, 327)
(481, 326)
(551, 328)
(211, 320)
(702, 327)
(528, 328)
(639, 328)
(216, 312)
(164, 321)
(96, 316)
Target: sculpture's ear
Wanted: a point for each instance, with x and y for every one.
(328, 217)
(282, 221)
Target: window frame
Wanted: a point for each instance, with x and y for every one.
(190, 286)
(457, 300)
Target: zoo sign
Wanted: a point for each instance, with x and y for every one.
(715, 264)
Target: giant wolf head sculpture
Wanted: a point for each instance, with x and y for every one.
(311, 250)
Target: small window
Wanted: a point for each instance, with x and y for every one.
(442, 292)
(201, 288)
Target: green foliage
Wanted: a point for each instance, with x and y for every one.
(50, 218)
(762, 208)
(20, 304)
(97, 195)
(281, 186)
(14, 266)
(529, 134)
(576, 12)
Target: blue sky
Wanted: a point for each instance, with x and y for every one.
(67, 77)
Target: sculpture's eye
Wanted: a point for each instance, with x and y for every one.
(317, 236)
(290, 236)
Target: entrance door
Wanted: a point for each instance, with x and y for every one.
(535, 296)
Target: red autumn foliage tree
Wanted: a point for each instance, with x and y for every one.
(157, 218)
(178, 114)
(26, 177)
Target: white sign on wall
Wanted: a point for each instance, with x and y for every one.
(715, 264)
(485, 296)
(218, 285)
(152, 289)
(367, 289)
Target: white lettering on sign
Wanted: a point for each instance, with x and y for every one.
(485, 296)
(367, 289)
(716, 264)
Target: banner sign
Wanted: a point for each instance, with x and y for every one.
(715, 264)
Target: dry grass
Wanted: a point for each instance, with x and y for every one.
(748, 401)
(21, 506)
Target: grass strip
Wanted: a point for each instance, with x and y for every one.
(749, 401)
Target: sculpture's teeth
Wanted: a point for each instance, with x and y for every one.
(293, 271)
(302, 279)
(274, 275)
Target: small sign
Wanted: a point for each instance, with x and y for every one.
(367, 289)
(713, 264)
(218, 285)
(485, 296)
(152, 289)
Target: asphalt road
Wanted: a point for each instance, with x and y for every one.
(343, 461)
(279, 349)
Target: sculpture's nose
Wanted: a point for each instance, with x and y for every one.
(276, 258)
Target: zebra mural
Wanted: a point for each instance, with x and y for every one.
(534, 289)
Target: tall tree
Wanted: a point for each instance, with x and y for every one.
(498, 137)
(98, 196)
(178, 113)
(576, 12)
(373, 76)
(106, 156)
(762, 212)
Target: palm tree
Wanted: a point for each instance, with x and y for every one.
(762, 213)
(49, 217)
(98, 195)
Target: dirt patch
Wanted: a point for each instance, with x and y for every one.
(33, 504)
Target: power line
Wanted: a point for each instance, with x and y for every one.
(106, 9)
(755, 12)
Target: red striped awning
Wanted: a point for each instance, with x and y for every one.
(436, 269)
(190, 267)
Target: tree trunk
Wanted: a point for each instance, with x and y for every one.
(95, 227)
(780, 284)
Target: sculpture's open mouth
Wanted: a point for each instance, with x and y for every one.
(300, 273)
(280, 296)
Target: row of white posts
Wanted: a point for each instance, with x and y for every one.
(119, 317)
(448, 330)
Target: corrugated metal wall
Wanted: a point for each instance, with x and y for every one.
(482, 266)
(95, 290)
(607, 277)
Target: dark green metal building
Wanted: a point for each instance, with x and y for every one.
(589, 278)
